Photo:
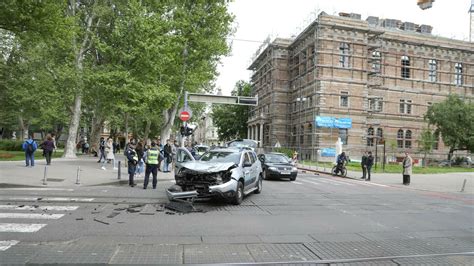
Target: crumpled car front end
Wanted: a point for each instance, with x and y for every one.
(203, 180)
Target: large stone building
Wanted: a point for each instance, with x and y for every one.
(369, 79)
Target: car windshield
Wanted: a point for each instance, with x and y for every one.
(221, 157)
(243, 143)
(201, 150)
(275, 158)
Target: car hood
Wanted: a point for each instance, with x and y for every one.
(207, 167)
(279, 164)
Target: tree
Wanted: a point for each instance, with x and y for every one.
(425, 143)
(231, 120)
(454, 120)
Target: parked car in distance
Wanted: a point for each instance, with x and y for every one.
(277, 165)
(226, 173)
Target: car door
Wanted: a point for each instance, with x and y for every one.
(182, 156)
(247, 170)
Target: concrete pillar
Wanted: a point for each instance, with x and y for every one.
(254, 133)
(261, 135)
(248, 132)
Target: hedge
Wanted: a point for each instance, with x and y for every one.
(11, 145)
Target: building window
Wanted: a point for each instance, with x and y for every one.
(379, 134)
(370, 137)
(400, 139)
(343, 135)
(405, 67)
(376, 104)
(432, 70)
(302, 135)
(344, 101)
(405, 106)
(376, 61)
(408, 139)
(310, 130)
(344, 54)
(458, 74)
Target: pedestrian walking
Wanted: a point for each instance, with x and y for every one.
(407, 169)
(159, 146)
(30, 146)
(132, 159)
(109, 153)
(116, 146)
(151, 165)
(53, 138)
(369, 164)
(168, 155)
(363, 164)
(101, 149)
(48, 148)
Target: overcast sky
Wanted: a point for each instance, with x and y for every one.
(257, 19)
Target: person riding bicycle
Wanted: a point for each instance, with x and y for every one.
(341, 161)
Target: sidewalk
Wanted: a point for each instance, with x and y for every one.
(62, 173)
(450, 182)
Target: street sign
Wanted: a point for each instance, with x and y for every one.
(184, 116)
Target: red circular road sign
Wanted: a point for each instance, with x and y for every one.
(184, 116)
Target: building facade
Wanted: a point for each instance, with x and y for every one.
(381, 75)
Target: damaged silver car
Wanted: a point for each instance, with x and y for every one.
(227, 173)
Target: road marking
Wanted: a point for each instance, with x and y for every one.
(298, 183)
(38, 189)
(4, 245)
(14, 215)
(20, 228)
(325, 181)
(47, 199)
(43, 208)
(373, 184)
(307, 181)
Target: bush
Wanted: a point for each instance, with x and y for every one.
(11, 145)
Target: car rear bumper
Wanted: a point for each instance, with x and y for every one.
(226, 190)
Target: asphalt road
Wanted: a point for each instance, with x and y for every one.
(319, 219)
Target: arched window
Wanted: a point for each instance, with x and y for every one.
(400, 139)
(379, 134)
(408, 139)
(370, 137)
(344, 51)
(405, 67)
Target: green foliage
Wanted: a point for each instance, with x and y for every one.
(288, 152)
(454, 119)
(231, 120)
(11, 145)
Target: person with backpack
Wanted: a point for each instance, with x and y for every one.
(29, 146)
(48, 148)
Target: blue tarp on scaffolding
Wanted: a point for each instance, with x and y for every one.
(328, 152)
(332, 122)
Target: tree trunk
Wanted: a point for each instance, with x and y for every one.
(169, 116)
(147, 130)
(96, 130)
(24, 128)
(70, 147)
(125, 130)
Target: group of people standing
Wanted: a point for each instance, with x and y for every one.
(152, 157)
(368, 161)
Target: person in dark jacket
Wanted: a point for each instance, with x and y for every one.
(363, 164)
(101, 149)
(48, 148)
(368, 165)
(132, 158)
(30, 146)
(168, 155)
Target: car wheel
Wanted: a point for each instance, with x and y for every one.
(292, 178)
(239, 194)
(259, 185)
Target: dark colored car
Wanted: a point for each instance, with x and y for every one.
(277, 165)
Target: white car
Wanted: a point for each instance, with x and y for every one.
(227, 173)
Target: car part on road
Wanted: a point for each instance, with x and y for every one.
(102, 222)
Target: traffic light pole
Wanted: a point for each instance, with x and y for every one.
(185, 124)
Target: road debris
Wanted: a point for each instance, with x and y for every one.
(99, 221)
(79, 219)
(181, 207)
(113, 214)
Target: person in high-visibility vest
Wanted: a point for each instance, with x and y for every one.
(151, 165)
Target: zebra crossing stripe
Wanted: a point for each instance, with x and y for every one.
(298, 183)
(37, 189)
(6, 244)
(20, 228)
(15, 215)
(42, 208)
(307, 181)
(47, 199)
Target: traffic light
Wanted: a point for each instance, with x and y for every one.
(189, 131)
